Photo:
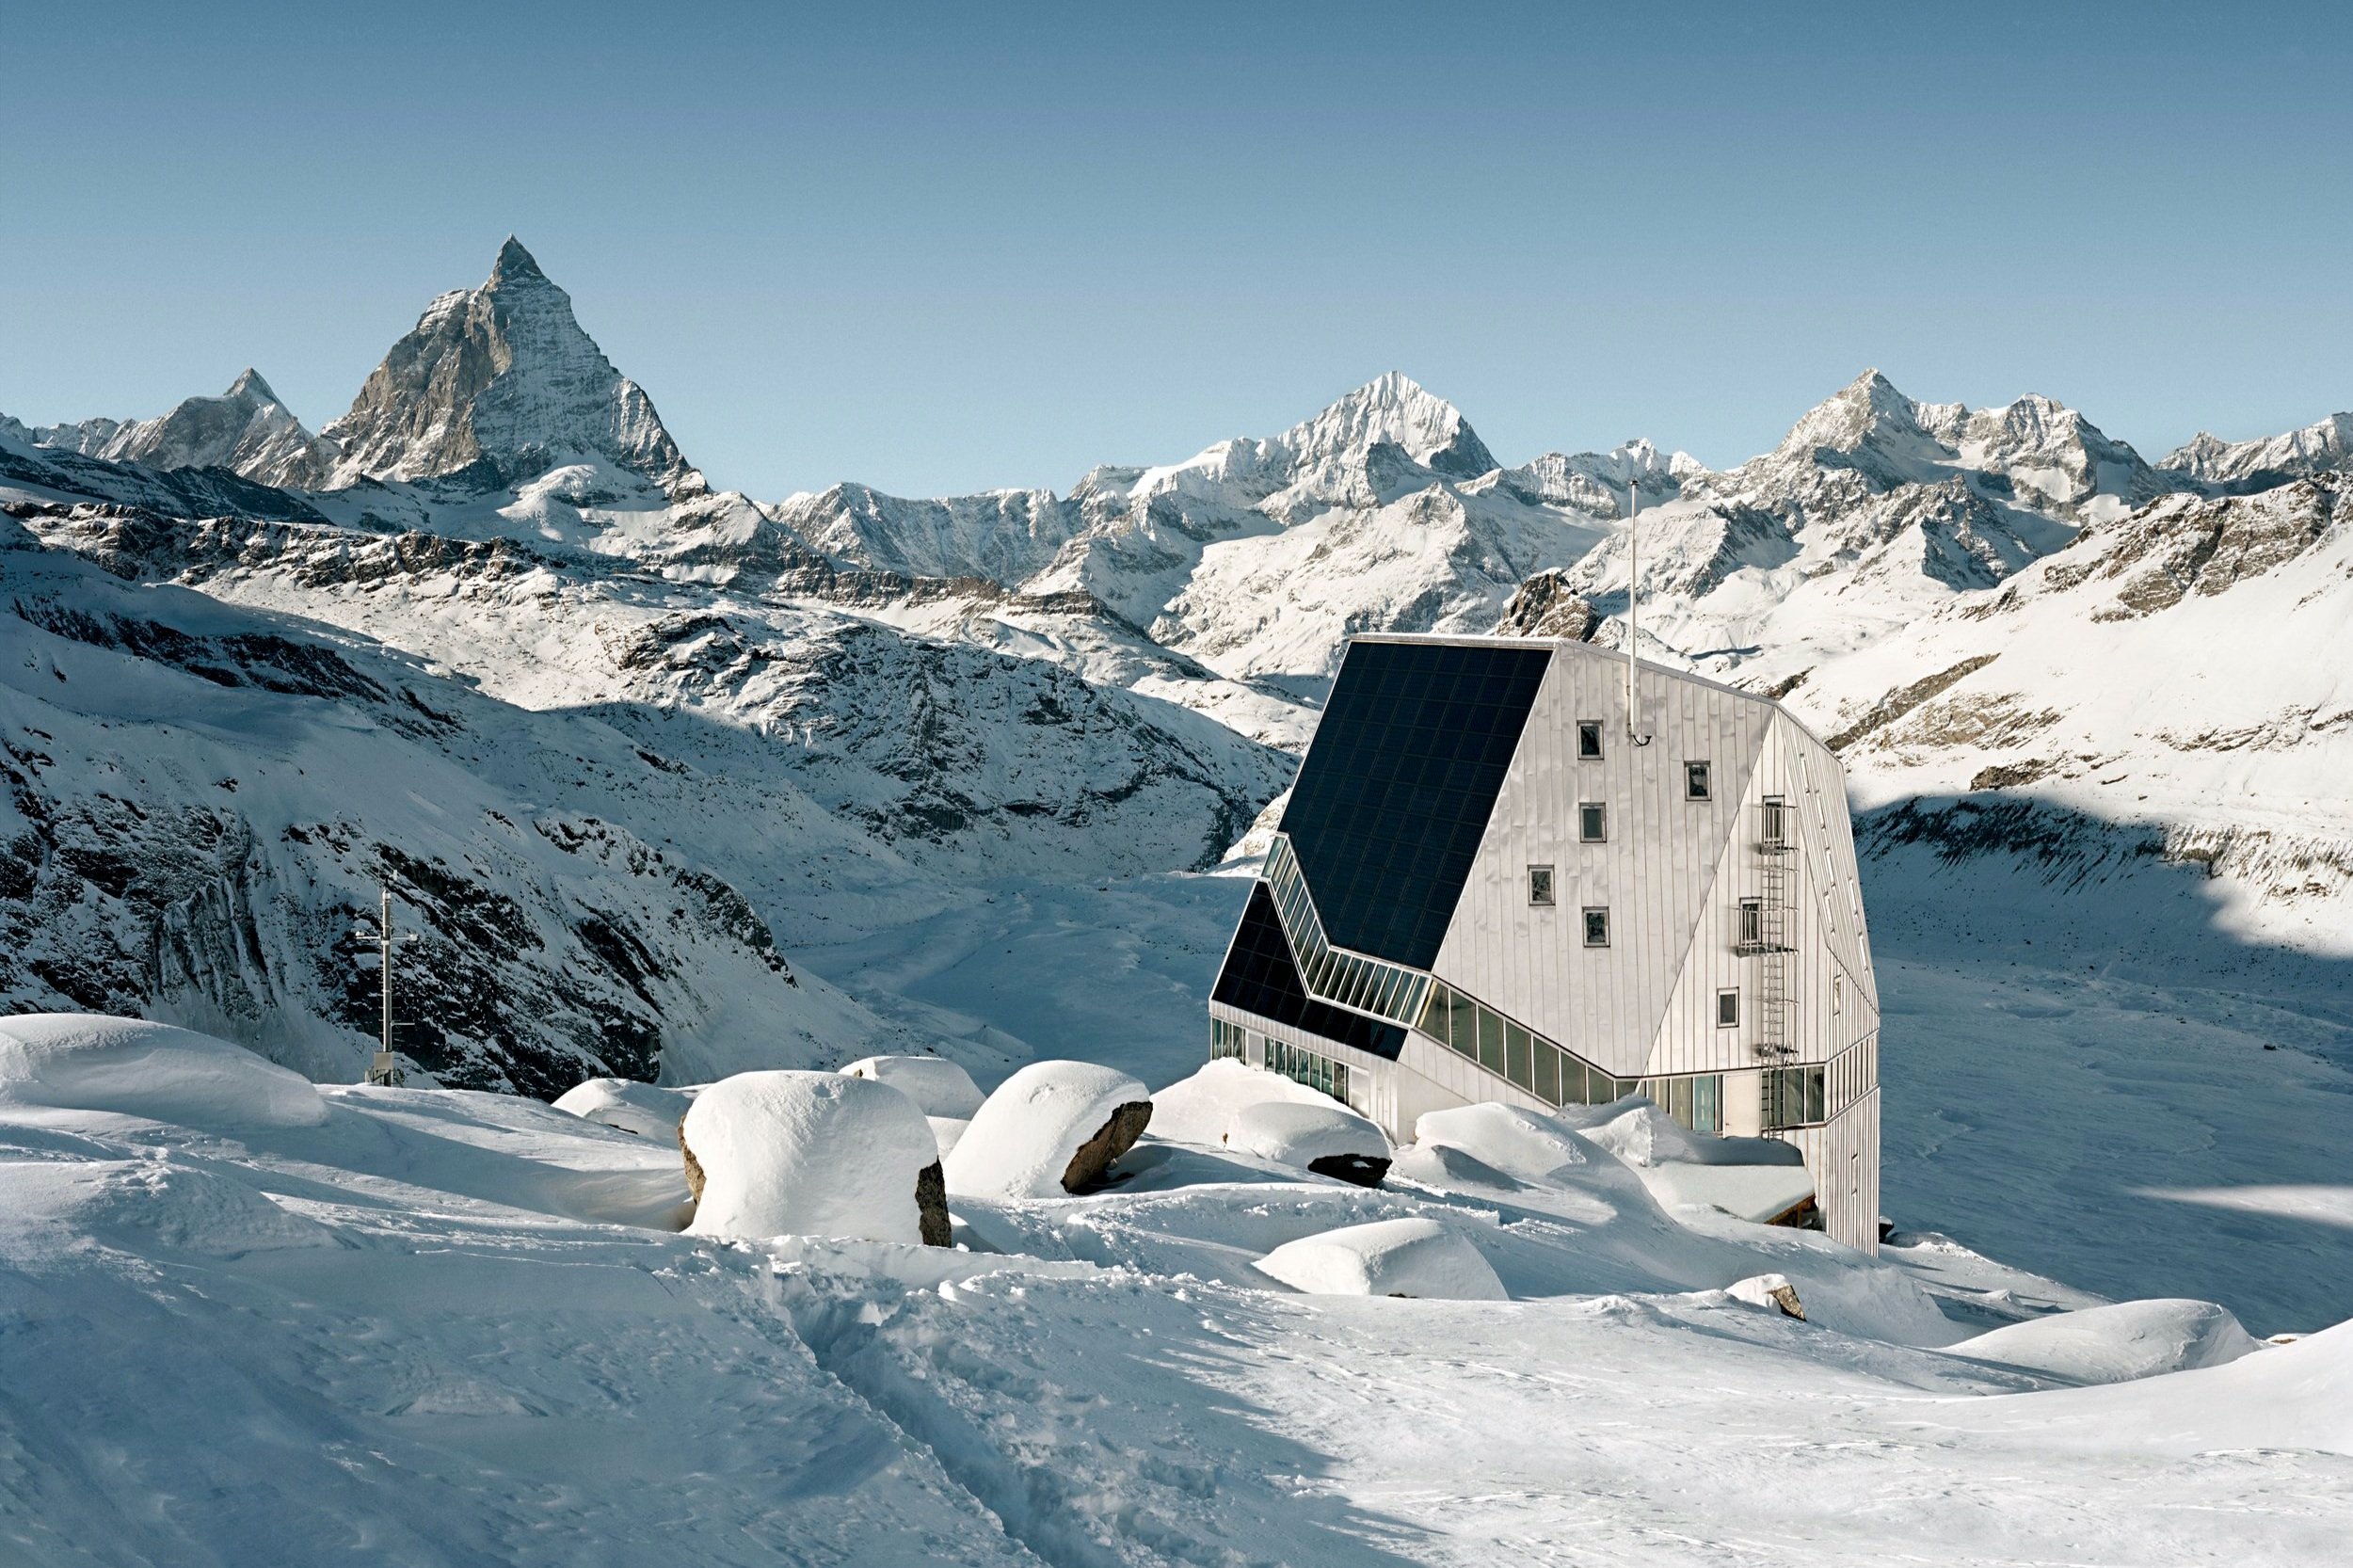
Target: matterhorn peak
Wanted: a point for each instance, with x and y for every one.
(515, 265)
(498, 385)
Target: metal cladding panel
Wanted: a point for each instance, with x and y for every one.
(1396, 792)
(1259, 977)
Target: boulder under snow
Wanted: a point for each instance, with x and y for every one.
(1414, 1256)
(813, 1154)
(939, 1086)
(1753, 1178)
(1201, 1108)
(1328, 1139)
(2119, 1343)
(644, 1109)
(92, 1062)
(1052, 1128)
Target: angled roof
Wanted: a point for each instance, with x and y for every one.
(1390, 804)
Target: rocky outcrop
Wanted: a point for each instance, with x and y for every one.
(498, 384)
(1547, 606)
(1090, 1167)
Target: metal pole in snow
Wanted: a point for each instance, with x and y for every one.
(385, 1070)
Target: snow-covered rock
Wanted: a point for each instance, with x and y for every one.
(162, 1201)
(1200, 1109)
(1771, 1291)
(644, 1109)
(1415, 1256)
(812, 1154)
(89, 1061)
(1753, 1178)
(1328, 1139)
(1052, 1128)
(939, 1087)
(947, 1131)
(1526, 1146)
(2118, 1343)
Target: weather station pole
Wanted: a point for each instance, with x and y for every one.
(384, 1072)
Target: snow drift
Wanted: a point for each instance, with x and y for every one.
(1416, 1257)
(644, 1109)
(89, 1061)
(812, 1154)
(938, 1086)
(1200, 1109)
(1328, 1139)
(2117, 1344)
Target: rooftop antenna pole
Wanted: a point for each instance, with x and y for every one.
(1633, 601)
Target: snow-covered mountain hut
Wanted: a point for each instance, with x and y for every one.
(1528, 872)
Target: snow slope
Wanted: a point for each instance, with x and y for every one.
(443, 1326)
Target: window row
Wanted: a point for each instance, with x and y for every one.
(1796, 1096)
(1368, 984)
(1697, 1101)
(1317, 1072)
(1514, 1052)
(1228, 1040)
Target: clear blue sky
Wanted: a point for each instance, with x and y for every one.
(944, 247)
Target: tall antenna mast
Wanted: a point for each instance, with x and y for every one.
(1633, 604)
(385, 1070)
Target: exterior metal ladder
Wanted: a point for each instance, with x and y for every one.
(1776, 934)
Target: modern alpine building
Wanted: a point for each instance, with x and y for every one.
(1537, 873)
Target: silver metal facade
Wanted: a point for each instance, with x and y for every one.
(1673, 874)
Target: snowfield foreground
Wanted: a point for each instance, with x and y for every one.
(434, 1326)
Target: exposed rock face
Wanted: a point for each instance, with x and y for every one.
(1546, 606)
(498, 384)
(931, 1207)
(245, 430)
(1362, 1169)
(1089, 1167)
(693, 1166)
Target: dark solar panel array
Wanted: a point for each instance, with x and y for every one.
(1388, 812)
(1259, 978)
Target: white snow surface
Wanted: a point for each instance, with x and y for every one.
(86, 1062)
(1418, 1256)
(2118, 1343)
(808, 1154)
(1021, 1140)
(939, 1087)
(1201, 1106)
(644, 1109)
(1299, 1135)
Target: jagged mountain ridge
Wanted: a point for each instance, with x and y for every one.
(498, 384)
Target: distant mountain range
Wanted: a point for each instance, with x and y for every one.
(2001, 604)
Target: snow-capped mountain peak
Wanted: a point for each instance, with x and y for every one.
(1396, 409)
(245, 430)
(499, 383)
(2252, 465)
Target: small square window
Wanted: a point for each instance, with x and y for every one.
(1588, 740)
(1540, 886)
(1728, 1008)
(1593, 821)
(1596, 928)
(1695, 781)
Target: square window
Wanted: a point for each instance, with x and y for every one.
(1596, 928)
(1728, 1008)
(1593, 821)
(1540, 886)
(1588, 740)
(1695, 781)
